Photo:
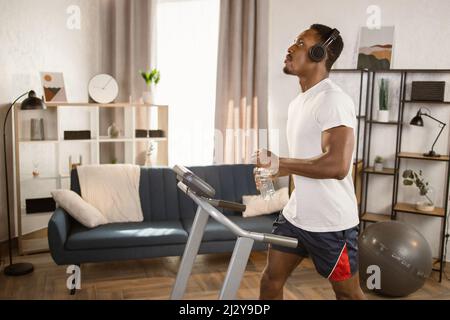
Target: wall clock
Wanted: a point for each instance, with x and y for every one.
(103, 88)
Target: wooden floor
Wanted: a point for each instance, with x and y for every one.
(153, 279)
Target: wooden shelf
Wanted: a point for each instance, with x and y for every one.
(38, 141)
(381, 122)
(105, 139)
(375, 217)
(152, 139)
(108, 139)
(43, 177)
(101, 105)
(77, 140)
(420, 156)
(386, 171)
(426, 101)
(411, 208)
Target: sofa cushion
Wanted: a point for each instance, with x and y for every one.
(80, 210)
(256, 205)
(128, 234)
(215, 231)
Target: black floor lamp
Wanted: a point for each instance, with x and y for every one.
(418, 121)
(30, 103)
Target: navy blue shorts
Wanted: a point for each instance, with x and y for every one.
(334, 254)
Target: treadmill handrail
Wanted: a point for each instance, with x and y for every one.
(221, 218)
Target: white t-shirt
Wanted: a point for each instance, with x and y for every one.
(320, 205)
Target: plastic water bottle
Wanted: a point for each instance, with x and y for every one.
(266, 188)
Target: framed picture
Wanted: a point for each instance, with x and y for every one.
(53, 87)
(375, 48)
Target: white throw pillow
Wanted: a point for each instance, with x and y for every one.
(257, 206)
(80, 210)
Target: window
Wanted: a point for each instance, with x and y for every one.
(187, 34)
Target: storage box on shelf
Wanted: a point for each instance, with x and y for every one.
(77, 133)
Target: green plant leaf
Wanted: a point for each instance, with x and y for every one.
(157, 77)
(407, 174)
(411, 177)
(152, 76)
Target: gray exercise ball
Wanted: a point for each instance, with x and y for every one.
(398, 253)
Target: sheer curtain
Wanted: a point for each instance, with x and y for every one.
(187, 43)
(241, 108)
(127, 35)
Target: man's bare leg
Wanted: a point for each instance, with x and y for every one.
(278, 268)
(348, 289)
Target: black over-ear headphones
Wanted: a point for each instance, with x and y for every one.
(318, 52)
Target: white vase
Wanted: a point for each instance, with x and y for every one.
(147, 96)
(383, 115)
(426, 203)
(113, 131)
(378, 166)
(424, 206)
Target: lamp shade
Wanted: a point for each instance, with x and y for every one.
(417, 120)
(32, 102)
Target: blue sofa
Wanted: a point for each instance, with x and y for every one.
(168, 216)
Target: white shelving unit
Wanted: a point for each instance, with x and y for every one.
(51, 156)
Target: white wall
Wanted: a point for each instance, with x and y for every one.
(34, 38)
(421, 41)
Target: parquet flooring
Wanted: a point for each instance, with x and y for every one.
(153, 279)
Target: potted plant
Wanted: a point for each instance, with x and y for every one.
(378, 164)
(426, 201)
(383, 112)
(151, 79)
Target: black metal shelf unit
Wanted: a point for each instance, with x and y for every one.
(369, 171)
(438, 213)
(396, 207)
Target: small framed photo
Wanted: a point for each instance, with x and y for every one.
(53, 87)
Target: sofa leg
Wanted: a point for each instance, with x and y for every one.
(73, 289)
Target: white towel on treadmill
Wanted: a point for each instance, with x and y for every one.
(113, 189)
